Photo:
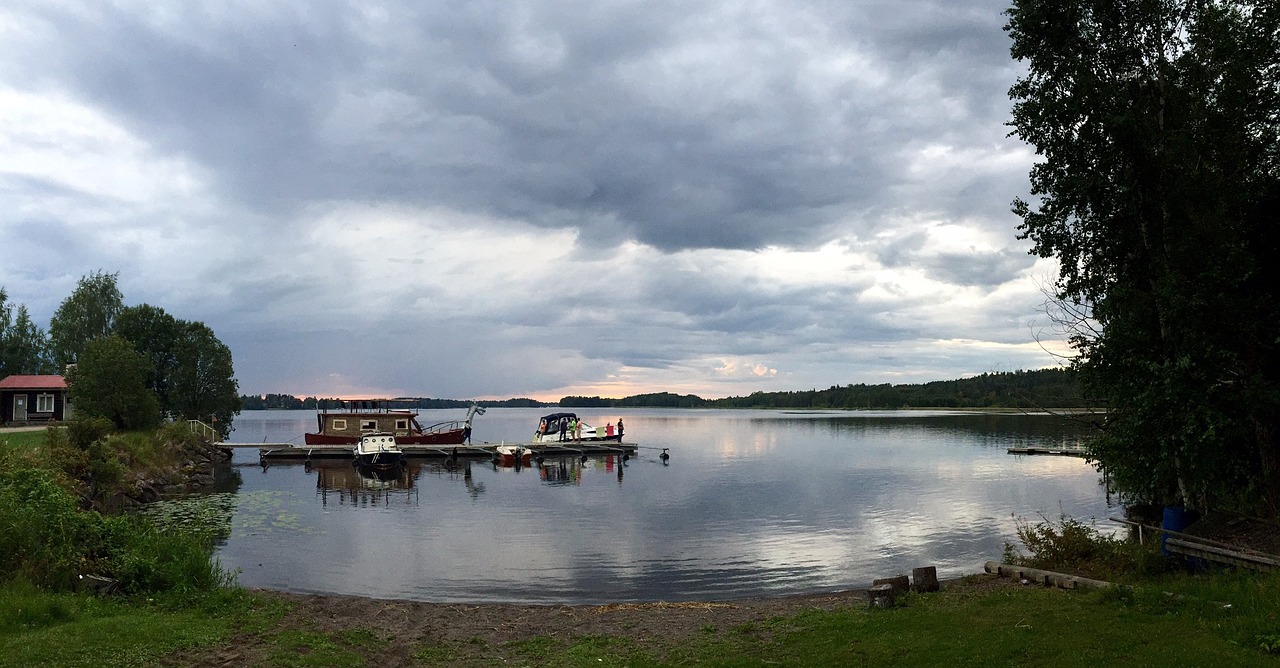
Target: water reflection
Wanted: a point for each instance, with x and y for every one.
(751, 503)
(571, 470)
(345, 483)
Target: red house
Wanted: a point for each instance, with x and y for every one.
(33, 400)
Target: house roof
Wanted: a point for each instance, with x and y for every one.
(33, 383)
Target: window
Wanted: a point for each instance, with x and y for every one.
(368, 425)
(44, 403)
(402, 424)
(339, 424)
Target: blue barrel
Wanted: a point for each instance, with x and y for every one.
(1176, 518)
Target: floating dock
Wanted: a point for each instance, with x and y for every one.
(291, 451)
(1066, 452)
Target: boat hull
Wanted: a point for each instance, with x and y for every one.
(380, 461)
(513, 456)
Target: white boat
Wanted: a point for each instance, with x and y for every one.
(549, 430)
(379, 450)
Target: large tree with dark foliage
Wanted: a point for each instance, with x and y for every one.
(1157, 123)
(110, 381)
(192, 371)
(202, 384)
(155, 334)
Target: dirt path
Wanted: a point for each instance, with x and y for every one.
(476, 634)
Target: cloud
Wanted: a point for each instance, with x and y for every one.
(537, 198)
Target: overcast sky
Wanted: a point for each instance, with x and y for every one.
(503, 198)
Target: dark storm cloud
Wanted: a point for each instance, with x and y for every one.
(682, 126)
(491, 197)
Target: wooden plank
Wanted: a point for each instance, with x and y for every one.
(485, 450)
(1221, 555)
(1066, 452)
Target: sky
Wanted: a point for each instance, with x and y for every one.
(493, 199)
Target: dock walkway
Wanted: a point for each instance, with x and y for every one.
(1066, 452)
(293, 451)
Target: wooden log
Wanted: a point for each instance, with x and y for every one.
(925, 579)
(881, 596)
(900, 583)
(1045, 578)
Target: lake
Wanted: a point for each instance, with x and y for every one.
(750, 503)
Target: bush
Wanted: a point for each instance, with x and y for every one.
(146, 559)
(1071, 546)
(47, 540)
(44, 538)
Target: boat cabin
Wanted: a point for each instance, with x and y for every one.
(549, 425)
(356, 423)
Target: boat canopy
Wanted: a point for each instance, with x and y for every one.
(556, 417)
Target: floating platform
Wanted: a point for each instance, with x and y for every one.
(290, 451)
(1066, 452)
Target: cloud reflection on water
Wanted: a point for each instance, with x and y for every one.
(752, 503)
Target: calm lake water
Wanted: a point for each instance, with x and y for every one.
(751, 503)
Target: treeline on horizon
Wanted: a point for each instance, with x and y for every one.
(1044, 388)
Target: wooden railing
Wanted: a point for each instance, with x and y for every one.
(205, 431)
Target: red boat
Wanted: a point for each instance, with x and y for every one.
(345, 427)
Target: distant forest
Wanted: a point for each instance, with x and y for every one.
(1046, 388)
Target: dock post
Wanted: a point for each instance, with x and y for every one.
(881, 596)
(924, 579)
(900, 583)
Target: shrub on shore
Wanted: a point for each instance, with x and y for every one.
(46, 539)
(1071, 546)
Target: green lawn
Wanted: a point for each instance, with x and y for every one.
(1221, 620)
(22, 438)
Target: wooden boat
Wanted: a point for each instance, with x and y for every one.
(378, 450)
(513, 455)
(345, 427)
(548, 430)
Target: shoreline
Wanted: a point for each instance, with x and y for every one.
(470, 632)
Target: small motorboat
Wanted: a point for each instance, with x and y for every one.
(378, 450)
(513, 455)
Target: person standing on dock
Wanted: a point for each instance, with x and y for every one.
(564, 427)
(619, 430)
(577, 429)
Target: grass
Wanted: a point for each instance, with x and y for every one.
(1029, 626)
(22, 439)
(39, 628)
(1201, 620)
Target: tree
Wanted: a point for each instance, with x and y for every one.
(203, 384)
(23, 345)
(1157, 123)
(192, 372)
(88, 314)
(110, 381)
(154, 333)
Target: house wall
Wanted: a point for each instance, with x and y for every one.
(59, 413)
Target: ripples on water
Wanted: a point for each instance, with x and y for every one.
(751, 503)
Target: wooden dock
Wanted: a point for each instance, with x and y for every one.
(292, 451)
(1065, 452)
